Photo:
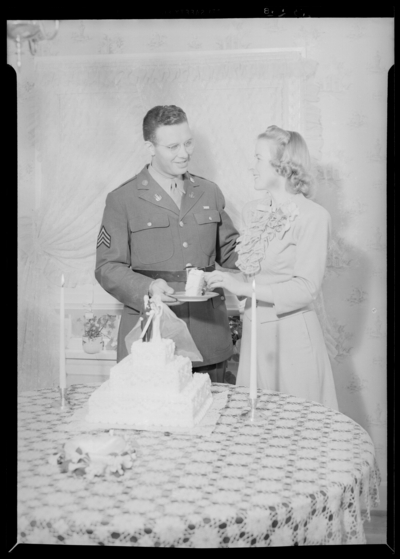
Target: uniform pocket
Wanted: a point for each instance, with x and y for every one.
(151, 239)
(207, 228)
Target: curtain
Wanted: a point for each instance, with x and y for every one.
(88, 114)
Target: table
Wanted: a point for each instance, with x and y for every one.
(303, 477)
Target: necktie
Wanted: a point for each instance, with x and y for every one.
(175, 194)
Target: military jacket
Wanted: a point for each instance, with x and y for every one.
(143, 229)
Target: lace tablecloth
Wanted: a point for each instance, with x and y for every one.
(302, 477)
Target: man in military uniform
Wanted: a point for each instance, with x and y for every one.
(158, 224)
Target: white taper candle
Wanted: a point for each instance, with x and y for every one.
(253, 351)
(63, 378)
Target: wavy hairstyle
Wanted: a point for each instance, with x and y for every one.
(291, 159)
(161, 115)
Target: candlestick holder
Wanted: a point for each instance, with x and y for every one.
(253, 415)
(63, 403)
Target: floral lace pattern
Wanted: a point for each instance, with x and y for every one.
(301, 477)
(264, 224)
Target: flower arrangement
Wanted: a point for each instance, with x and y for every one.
(93, 326)
(235, 326)
(95, 456)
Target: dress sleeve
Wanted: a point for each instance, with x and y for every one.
(312, 232)
(113, 257)
(227, 236)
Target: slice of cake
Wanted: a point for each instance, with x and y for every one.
(196, 283)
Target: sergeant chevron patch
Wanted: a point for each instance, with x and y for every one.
(103, 238)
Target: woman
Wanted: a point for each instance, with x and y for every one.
(284, 247)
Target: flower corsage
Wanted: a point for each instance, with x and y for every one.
(264, 225)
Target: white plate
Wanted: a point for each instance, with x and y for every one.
(181, 296)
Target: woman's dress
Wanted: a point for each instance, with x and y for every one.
(287, 250)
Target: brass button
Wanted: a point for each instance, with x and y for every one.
(181, 223)
(192, 179)
(149, 224)
(185, 244)
(145, 183)
(210, 218)
(222, 298)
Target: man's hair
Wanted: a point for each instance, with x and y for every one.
(161, 115)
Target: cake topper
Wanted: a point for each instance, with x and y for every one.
(153, 310)
(158, 322)
(156, 306)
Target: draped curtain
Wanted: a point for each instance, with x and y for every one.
(88, 113)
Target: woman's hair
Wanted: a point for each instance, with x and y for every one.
(291, 159)
(161, 115)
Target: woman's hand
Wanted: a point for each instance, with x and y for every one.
(227, 281)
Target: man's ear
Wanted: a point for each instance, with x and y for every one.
(150, 148)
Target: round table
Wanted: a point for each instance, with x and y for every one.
(306, 475)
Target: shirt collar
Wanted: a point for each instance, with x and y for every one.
(163, 181)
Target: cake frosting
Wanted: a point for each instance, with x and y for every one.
(195, 284)
(152, 387)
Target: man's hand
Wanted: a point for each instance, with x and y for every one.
(160, 287)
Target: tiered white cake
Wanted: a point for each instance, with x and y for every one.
(152, 387)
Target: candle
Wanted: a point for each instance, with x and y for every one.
(63, 378)
(253, 349)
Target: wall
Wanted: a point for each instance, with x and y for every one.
(353, 57)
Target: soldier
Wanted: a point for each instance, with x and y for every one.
(159, 223)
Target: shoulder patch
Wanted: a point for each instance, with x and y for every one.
(104, 238)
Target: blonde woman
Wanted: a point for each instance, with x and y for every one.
(284, 247)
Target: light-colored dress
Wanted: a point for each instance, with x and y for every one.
(287, 249)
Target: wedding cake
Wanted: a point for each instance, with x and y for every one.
(195, 283)
(152, 387)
